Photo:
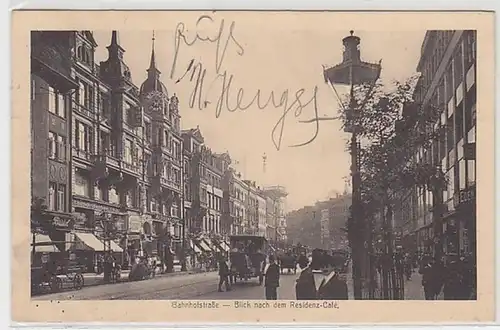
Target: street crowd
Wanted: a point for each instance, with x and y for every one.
(452, 277)
(318, 280)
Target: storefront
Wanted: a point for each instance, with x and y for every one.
(465, 205)
(424, 238)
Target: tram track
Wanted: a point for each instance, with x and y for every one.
(129, 290)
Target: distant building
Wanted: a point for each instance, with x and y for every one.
(322, 225)
(277, 195)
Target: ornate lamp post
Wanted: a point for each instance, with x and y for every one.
(352, 71)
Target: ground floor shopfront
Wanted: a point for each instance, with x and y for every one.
(458, 230)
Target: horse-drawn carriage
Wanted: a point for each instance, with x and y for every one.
(56, 271)
(247, 257)
(287, 261)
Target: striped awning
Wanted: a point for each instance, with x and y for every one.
(225, 246)
(194, 246)
(203, 244)
(44, 244)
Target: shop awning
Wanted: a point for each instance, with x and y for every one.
(224, 246)
(196, 249)
(88, 241)
(204, 245)
(43, 244)
(115, 247)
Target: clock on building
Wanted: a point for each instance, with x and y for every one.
(155, 100)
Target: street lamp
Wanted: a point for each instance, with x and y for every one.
(352, 71)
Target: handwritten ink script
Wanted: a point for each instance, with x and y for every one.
(220, 88)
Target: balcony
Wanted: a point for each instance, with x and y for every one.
(160, 181)
(105, 160)
(82, 154)
(130, 168)
(83, 111)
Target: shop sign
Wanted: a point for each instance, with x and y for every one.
(465, 196)
(470, 151)
(135, 224)
(64, 223)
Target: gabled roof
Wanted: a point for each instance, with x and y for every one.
(195, 133)
(90, 37)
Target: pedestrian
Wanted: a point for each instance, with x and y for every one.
(427, 272)
(432, 277)
(310, 278)
(333, 287)
(303, 262)
(272, 279)
(224, 274)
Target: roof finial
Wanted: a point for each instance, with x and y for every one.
(152, 63)
(352, 32)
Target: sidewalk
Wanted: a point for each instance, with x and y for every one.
(414, 289)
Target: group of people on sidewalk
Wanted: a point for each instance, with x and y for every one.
(315, 282)
(456, 279)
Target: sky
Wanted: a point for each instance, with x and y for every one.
(269, 58)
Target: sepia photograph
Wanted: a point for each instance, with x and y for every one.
(215, 159)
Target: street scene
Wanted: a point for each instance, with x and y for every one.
(148, 185)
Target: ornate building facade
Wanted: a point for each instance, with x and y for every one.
(448, 82)
(119, 145)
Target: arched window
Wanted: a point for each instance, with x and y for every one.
(79, 52)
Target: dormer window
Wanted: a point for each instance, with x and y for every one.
(84, 55)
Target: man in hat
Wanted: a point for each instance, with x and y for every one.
(224, 272)
(320, 283)
(272, 279)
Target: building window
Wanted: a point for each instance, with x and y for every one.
(52, 145)
(450, 134)
(114, 196)
(469, 48)
(458, 65)
(131, 199)
(57, 103)
(61, 197)
(85, 95)
(83, 137)
(104, 105)
(148, 132)
(57, 146)
(52, 205)
(461, 175)
(128, 151)
(471, 172)
(82, 183)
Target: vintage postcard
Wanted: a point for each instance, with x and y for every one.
(207, 167)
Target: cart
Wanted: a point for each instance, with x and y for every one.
(57, 272)
(287, 261)
(247, 257)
